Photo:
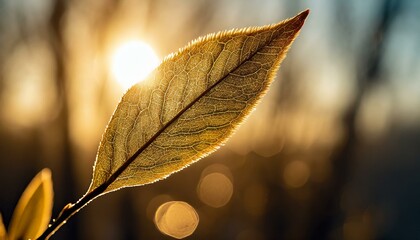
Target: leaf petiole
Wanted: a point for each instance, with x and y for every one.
(69, 210)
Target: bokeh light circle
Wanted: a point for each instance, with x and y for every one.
(177, 219)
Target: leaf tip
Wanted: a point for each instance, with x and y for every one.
(301, 17)
(304, 14)
(45, 174)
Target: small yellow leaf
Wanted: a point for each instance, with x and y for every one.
(33, 211)
(2, 229)
(190, 104)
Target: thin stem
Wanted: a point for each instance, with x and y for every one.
(69, 210)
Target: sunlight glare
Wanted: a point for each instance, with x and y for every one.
(132, 62)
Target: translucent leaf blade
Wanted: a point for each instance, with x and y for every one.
(2, 229)
(190, 104)
(33, 211)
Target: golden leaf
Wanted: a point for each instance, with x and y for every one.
(190, 104)
(33, 211)
(2, 229)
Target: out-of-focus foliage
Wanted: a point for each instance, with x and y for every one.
(2, 229)
(33, 211)
(331, 152)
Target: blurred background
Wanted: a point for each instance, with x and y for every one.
(332, 152)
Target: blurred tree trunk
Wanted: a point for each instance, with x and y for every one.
(328, 215)
(65, 193)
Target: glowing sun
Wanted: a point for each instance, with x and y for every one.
(132, 61)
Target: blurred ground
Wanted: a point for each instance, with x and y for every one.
(331, 153)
